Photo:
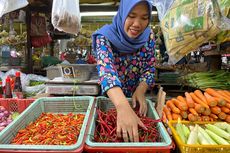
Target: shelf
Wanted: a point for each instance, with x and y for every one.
(217, 52)
(7, 68)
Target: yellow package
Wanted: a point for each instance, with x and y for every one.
(188, 24)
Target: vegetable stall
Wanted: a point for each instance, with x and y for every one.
(50, 103)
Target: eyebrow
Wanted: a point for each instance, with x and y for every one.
(134, 13)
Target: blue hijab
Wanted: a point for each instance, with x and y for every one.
(115, 31)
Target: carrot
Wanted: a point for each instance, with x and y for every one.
(226, 92)
(227, 105)
(222, 115)
(182, 99)
(164, 118)
(213, 116)
(189, 100)
(199, 108)
(215, 110)
(176, 116)
(211, 119)
(197, 100)
(179, 104)
(173, 108)
(207, 111)
(205, 118)
(184, 114)
(167, 113)
(220, 101)
(227, 119)
(200, 95)
(214, 93)
(221, 92)
(199, 118)
(225, 109)
(192, 117)
(211, 101)
(193, 111)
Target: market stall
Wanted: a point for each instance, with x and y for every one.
(50, 93)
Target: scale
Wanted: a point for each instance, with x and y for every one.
(85, 88)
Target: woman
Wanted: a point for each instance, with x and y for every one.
(125, 56)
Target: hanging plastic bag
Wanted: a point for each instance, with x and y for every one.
(188, 24)
(66, 16)
(162, 7)
(7, 6)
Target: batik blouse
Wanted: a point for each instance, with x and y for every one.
(125, 70)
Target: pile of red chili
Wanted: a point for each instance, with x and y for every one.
(106, 128)
(51, 129)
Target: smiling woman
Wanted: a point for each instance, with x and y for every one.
(125, 58)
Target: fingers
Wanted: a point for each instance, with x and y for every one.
(134, 102)
(130, 131)
(118, 131)
(143, 109)
(135, 134)
(125, 135)
(142, 125)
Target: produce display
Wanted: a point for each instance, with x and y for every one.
(51, 129)
(35, 83)
(106, 128)
(207, 134)
(6, 117)
(203, 80)
(210, 105)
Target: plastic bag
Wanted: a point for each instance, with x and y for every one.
(7, 6)
(188, 24)
(162, 7)
(37, 88)
(224, 7)
(66, 16)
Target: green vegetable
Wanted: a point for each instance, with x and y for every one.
(206, 136)
(202, 140)
(193, 136)
(186, 131)
(180, 131)
(223, 125)
(35, 83)
(202, 80)
(218, 131)
(15, 115)
(217, 138)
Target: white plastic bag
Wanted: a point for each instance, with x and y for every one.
(7, 6)
(66, 16)
(162, 7)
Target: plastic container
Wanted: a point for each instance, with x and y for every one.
(53, 105)
(163, 146)
(185, 148)
(14, 104)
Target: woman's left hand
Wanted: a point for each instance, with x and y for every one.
(139, 96)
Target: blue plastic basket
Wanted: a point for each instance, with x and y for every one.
(76, 105)
(104, 104)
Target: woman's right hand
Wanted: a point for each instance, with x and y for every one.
(127, 120)
(127, 123)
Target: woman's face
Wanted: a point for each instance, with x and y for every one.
(137, 20)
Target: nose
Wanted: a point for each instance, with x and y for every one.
(137, 23)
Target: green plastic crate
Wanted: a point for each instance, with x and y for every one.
(81, 104)
(104, 104)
